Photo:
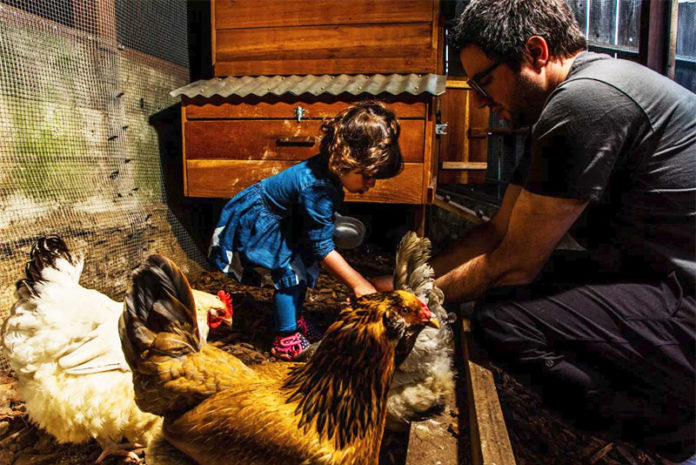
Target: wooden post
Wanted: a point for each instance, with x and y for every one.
(490, 443)
(672, 44)
(653, 34)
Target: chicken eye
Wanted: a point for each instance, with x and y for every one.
(404, 310)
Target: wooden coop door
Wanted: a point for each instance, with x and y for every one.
(463, 149)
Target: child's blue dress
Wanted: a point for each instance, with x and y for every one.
(283, 223)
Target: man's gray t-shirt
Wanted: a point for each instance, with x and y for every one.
(623, 137)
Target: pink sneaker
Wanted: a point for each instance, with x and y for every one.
(289, 347)
(309, 330)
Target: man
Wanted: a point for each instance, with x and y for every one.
(610, 340)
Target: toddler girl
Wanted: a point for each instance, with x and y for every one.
(285, 223)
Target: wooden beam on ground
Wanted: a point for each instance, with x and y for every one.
(490, 443)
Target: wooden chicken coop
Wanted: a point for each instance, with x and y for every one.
(282, 68)
(279, 70)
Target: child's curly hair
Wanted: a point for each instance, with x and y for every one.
(365, 136)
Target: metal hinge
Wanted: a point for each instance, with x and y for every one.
(300, 113)
(441, 129)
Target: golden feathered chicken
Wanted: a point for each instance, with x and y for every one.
(330, 410)
(425, 375)
(62, 342)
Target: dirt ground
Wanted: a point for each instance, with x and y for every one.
(538, 436)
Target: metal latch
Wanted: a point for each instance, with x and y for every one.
(300, 113)
(441, 129)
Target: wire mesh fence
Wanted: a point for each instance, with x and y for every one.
(83, 86)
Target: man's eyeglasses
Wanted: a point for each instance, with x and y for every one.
(475, 81)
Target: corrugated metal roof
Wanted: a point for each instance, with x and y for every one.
(374, 84)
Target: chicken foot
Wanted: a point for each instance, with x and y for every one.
(128, 450)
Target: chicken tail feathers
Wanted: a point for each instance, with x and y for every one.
(49, 252)
(173, 369)
(412, 271)
(424, 376)
(160, 314)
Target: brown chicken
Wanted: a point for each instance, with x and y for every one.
(217, 411)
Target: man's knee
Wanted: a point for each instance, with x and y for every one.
(494, 327)
(497, 320)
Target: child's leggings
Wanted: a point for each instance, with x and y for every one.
(288, 307)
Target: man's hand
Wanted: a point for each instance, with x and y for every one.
(535, 226)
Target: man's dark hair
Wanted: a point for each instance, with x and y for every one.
(501, 28)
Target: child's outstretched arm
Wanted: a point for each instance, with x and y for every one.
(340, 268)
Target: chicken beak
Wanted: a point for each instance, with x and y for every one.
(227, 321)
(428, 317)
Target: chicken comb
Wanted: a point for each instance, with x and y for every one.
(227, 300)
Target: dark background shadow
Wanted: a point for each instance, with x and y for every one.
(192, 219)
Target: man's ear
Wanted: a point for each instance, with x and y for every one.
(395, 325)
(537, 51)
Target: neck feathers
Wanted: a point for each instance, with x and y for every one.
(342, 390)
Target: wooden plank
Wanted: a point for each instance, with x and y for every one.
(213, 29)
(453, 207)
(478, 148)
(225, 178)
(490, 443)
(438, 36)
(106, 22)
(274, 107)
(250, 139)
(457, 84)
(183, 150)
(325, 42)
(420, 218)
(455, 146)
(399, 65)
(84, 15)
(274, 139)
(429, 160)
(404, 188)
(464, 165)
(245, 13)
(327, 49)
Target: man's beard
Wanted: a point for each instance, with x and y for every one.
(528, 104)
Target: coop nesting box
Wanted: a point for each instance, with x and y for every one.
(238, 131)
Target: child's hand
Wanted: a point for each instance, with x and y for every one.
(364, 289)
(383, 283)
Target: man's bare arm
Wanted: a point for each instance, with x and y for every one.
(483, 238)
(535, 226)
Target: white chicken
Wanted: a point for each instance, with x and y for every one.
(62, 342)
(425, 377)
